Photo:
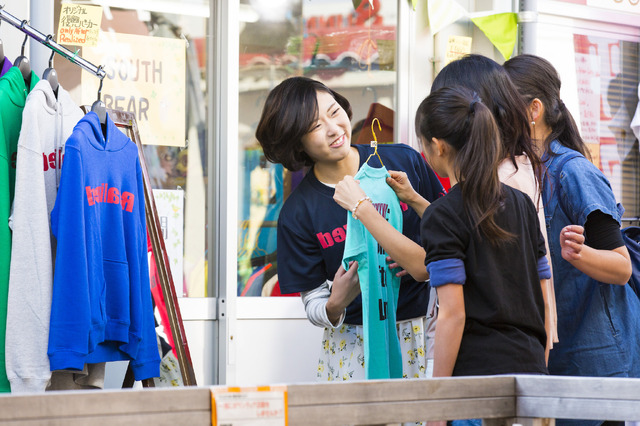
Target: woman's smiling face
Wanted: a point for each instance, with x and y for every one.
(329, 137)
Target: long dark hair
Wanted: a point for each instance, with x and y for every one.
(535, 77)
(459, 117)
(489, 79)
(288, 113)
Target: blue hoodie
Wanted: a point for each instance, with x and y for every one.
(101, 306)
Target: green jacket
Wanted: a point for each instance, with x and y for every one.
(13, 94)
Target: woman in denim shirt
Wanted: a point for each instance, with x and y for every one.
(598, 314)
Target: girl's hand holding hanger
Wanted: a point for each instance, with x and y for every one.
(401, 184)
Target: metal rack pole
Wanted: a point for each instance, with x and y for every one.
(48, 41)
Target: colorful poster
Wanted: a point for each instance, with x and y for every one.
(146, 76)
(79, 24)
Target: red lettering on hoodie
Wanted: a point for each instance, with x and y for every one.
(103, 194)
(52, 160)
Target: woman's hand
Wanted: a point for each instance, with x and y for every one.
(345, 288)
(348, 192)
(607, 266)
(572, 242)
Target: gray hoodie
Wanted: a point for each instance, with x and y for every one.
(46, 124)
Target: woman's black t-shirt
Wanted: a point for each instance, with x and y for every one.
(312, 231)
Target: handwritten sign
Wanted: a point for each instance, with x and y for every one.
(79, 25)
(170, 206)
(457, 47)
(588, 79)
(146, 76)
(250, 406)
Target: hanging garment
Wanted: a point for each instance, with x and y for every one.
(47, 122)
(158, 297)
(13, 94)
(91, 377)
(378, 284)
(6, 64)
(101, 267)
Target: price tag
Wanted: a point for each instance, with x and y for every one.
(249, 406)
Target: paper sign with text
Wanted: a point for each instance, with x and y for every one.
(170, 207)
(249, 406)
(145, 76)
(457, 47)
(79, 24)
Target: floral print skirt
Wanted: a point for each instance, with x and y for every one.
(342, 354)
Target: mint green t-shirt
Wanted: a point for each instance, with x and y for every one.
(13, 94)
(378, 284)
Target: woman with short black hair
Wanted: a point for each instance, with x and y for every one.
(304, 123)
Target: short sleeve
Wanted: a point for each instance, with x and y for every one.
(586, 189)
(355, 247)
(300, 262)
(443, 234)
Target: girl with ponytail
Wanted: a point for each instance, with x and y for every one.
(484, 251)
(520, 165)
(599, 316)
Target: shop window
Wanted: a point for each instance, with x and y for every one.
(607, 77)
(350, 49)
(154, 54)
(600, 73)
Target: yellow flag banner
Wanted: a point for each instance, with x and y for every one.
(443, 13)
(501, 29)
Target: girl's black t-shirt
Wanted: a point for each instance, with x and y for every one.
(504, 330)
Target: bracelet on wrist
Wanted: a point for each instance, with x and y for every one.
(360, 201)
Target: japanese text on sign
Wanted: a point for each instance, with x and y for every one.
(250, 406)
(79, 25)
(457, 47)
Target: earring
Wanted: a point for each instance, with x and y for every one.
(533, 123)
